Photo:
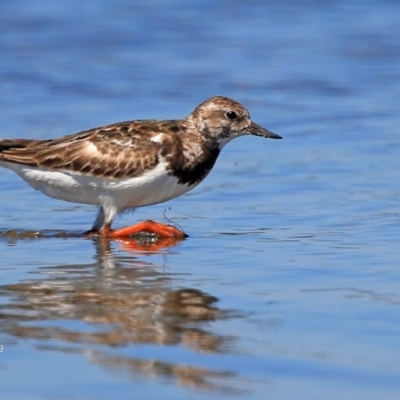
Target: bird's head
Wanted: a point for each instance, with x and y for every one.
(224, 119)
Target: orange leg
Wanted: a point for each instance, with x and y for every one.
(161, 230)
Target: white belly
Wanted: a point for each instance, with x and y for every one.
(155, 186)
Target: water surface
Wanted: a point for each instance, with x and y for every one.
(288, 284)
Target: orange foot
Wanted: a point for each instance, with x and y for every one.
(129, 243)
(166, 231)
(154, 228)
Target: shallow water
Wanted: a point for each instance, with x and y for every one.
(288, 284)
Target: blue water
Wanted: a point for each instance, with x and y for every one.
(288, 286)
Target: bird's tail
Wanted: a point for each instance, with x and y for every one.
(10, 144)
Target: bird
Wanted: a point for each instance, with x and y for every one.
(131, 164)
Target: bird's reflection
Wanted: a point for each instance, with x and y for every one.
(116, 302)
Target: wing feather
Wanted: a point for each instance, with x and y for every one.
(116, 151)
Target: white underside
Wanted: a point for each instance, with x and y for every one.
(154, 186)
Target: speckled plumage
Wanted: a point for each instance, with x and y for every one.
(133, 163)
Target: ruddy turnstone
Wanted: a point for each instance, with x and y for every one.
(131, 164)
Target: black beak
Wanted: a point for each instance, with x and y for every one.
(258, 130)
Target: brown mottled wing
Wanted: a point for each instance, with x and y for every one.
(115, 151)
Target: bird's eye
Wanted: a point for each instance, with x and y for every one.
(231, 115)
